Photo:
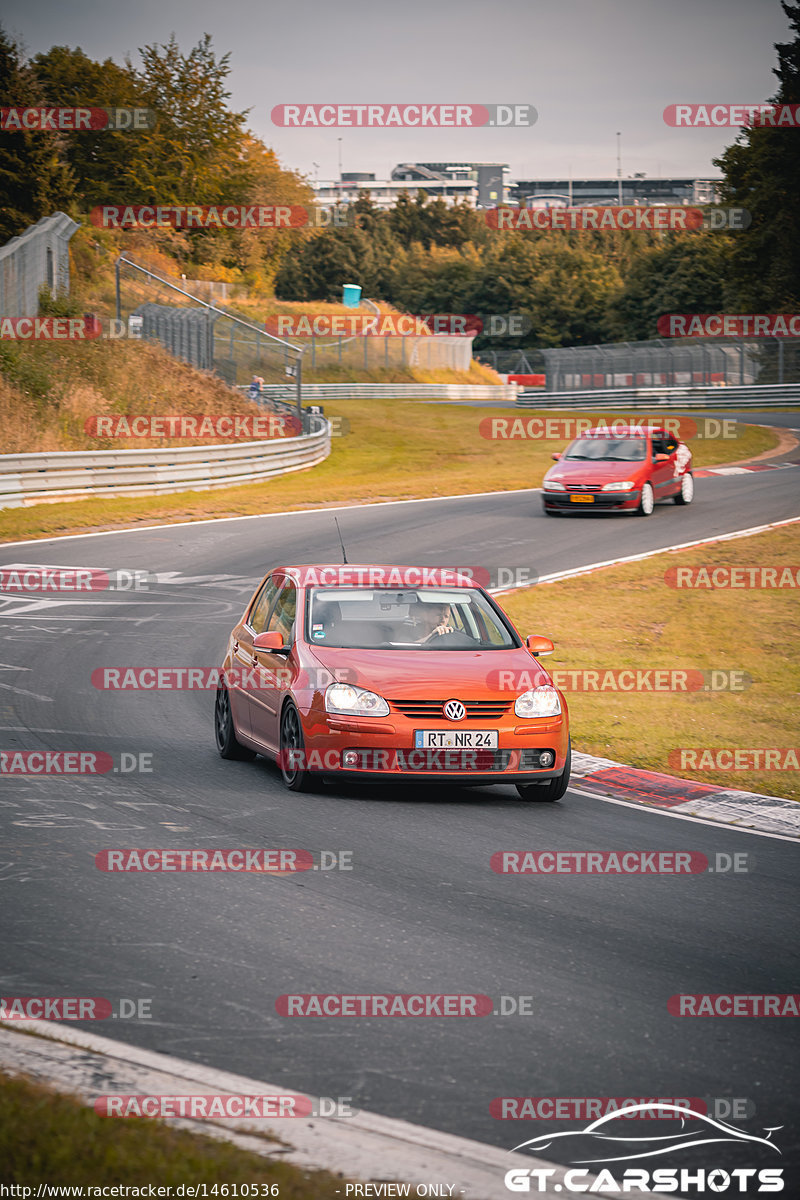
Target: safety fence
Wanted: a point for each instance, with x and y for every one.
(757, 396)
(38, 258)
(673, 363)
(70, 475)
(397, 391)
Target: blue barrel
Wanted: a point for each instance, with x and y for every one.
(351, 295)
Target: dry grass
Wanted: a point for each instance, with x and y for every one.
(627, 616)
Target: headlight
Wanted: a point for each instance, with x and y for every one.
(538, 702)
(354, 702)
(624, 486)
(550, 485)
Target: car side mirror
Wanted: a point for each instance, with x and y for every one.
(555, 457)
(539, 646)
(270, 641)
(662, 458)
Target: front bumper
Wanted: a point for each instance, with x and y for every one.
(562, 501)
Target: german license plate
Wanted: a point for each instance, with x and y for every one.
(582, 499)
(455, 739)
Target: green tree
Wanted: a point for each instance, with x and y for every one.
(99, 158)
(762, 174)
(35, 179)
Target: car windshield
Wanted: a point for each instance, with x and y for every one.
(606, 449)
(411, 618)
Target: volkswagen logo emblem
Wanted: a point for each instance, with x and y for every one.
(454, 710)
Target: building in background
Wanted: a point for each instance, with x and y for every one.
(555, 193)
(480, 185)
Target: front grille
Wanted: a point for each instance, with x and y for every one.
(431, 710)
(584, 487)
(434, 760)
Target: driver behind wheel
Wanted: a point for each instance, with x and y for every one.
(433, 621)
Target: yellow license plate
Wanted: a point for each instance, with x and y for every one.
(582, 499)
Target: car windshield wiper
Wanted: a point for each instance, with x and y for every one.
(582, 457)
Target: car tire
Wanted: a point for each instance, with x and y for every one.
(295, 778)
(224, 730)
(686, 494)
(553, 789)
(646, 501)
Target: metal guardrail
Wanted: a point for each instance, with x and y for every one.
(66, 474)
(767, 395)
(398, 391)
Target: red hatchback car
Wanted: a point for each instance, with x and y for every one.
(390, 673)
(622, 468)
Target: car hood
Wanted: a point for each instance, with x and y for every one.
(594, 472)
(432, 674)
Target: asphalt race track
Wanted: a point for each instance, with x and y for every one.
(421, 911)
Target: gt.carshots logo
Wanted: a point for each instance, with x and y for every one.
(738, 325)
(603, 218)
(605, 1142)
(715, 116)
(399, 116)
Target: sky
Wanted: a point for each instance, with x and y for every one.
(590, 68)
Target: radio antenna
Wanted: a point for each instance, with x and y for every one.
(341, 543)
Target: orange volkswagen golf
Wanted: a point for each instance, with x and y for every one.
(390, 673)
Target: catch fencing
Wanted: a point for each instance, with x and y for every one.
(38, 258)
(673, 363)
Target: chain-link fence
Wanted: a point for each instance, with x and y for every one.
(38, 258)
(660, 363)
(202, 334)
(427, 353)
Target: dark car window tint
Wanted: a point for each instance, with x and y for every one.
(283, 614)
(261, 605)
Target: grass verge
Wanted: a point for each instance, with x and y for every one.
(50, 1138)
(628, 616)
(395, 450)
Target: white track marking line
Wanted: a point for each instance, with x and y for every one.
(666, 812)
